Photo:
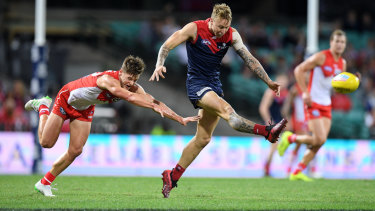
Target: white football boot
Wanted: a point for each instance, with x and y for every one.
(44, 189)
(35, 103)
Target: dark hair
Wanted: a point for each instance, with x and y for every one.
(133, 65)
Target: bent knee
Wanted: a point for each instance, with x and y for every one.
(319, 141)
(203, 141)
(228, 109)
(46, 143)
(74, 152)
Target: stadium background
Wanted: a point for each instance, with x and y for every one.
(88, 36)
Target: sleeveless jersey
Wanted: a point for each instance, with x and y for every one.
(84, 92)
(320, 79)
(275, 108)
(206, 52)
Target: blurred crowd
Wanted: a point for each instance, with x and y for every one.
(278, 46)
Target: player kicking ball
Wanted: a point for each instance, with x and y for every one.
(207, 42)
(76, 101)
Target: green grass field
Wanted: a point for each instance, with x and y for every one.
(17, 192)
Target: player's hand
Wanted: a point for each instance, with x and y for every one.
(190, 119)
(306, 98)
(158, 72)
(359, 75)
(275, 86)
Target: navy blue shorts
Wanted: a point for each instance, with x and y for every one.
(196, 89)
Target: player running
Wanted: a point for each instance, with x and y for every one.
(294, 104)
(323, 65)
(76, 101)
(207, 41)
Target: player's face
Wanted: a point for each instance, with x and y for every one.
(128, 80)
(219, 26)
(338, 44)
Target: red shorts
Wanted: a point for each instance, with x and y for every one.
(66, 111)
(318, 111)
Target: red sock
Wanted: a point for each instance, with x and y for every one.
(260, 130)
(292, 138)
(267, 169)
(300, 168)
(48, 179)
(177, 172)
(43, 109)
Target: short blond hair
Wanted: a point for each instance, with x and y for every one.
(337, 32)
(222, 11)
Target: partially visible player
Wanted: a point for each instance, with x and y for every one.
(270, 108)
(293, 108)
(323, 66)
(207, 42)
(76, 101)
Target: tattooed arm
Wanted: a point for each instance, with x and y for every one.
(187, 32)
(252, 62)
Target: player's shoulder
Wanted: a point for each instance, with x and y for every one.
(318, 58)
(192, 26)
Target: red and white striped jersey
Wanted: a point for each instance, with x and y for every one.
(320, 79)
(84, 92)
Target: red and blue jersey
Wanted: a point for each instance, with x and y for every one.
(206, 52)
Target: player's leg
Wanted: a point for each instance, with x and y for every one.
(293, 158)
(217, 105)
(49, 130)
(42, 106)
(320, 128)
(288, 138)
(205, 128)
(267, 165)
(79, 132)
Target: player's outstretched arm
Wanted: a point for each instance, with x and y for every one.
(168, 112)
(252, 63)
(113, 86)
(187, 32)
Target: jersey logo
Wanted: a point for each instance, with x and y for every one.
(327, 71)
(206, 42)
(327, 68)
(222, 46)
(62, 111)
(315, 113)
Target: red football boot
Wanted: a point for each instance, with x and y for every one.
(168, 183)
(275, 130)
